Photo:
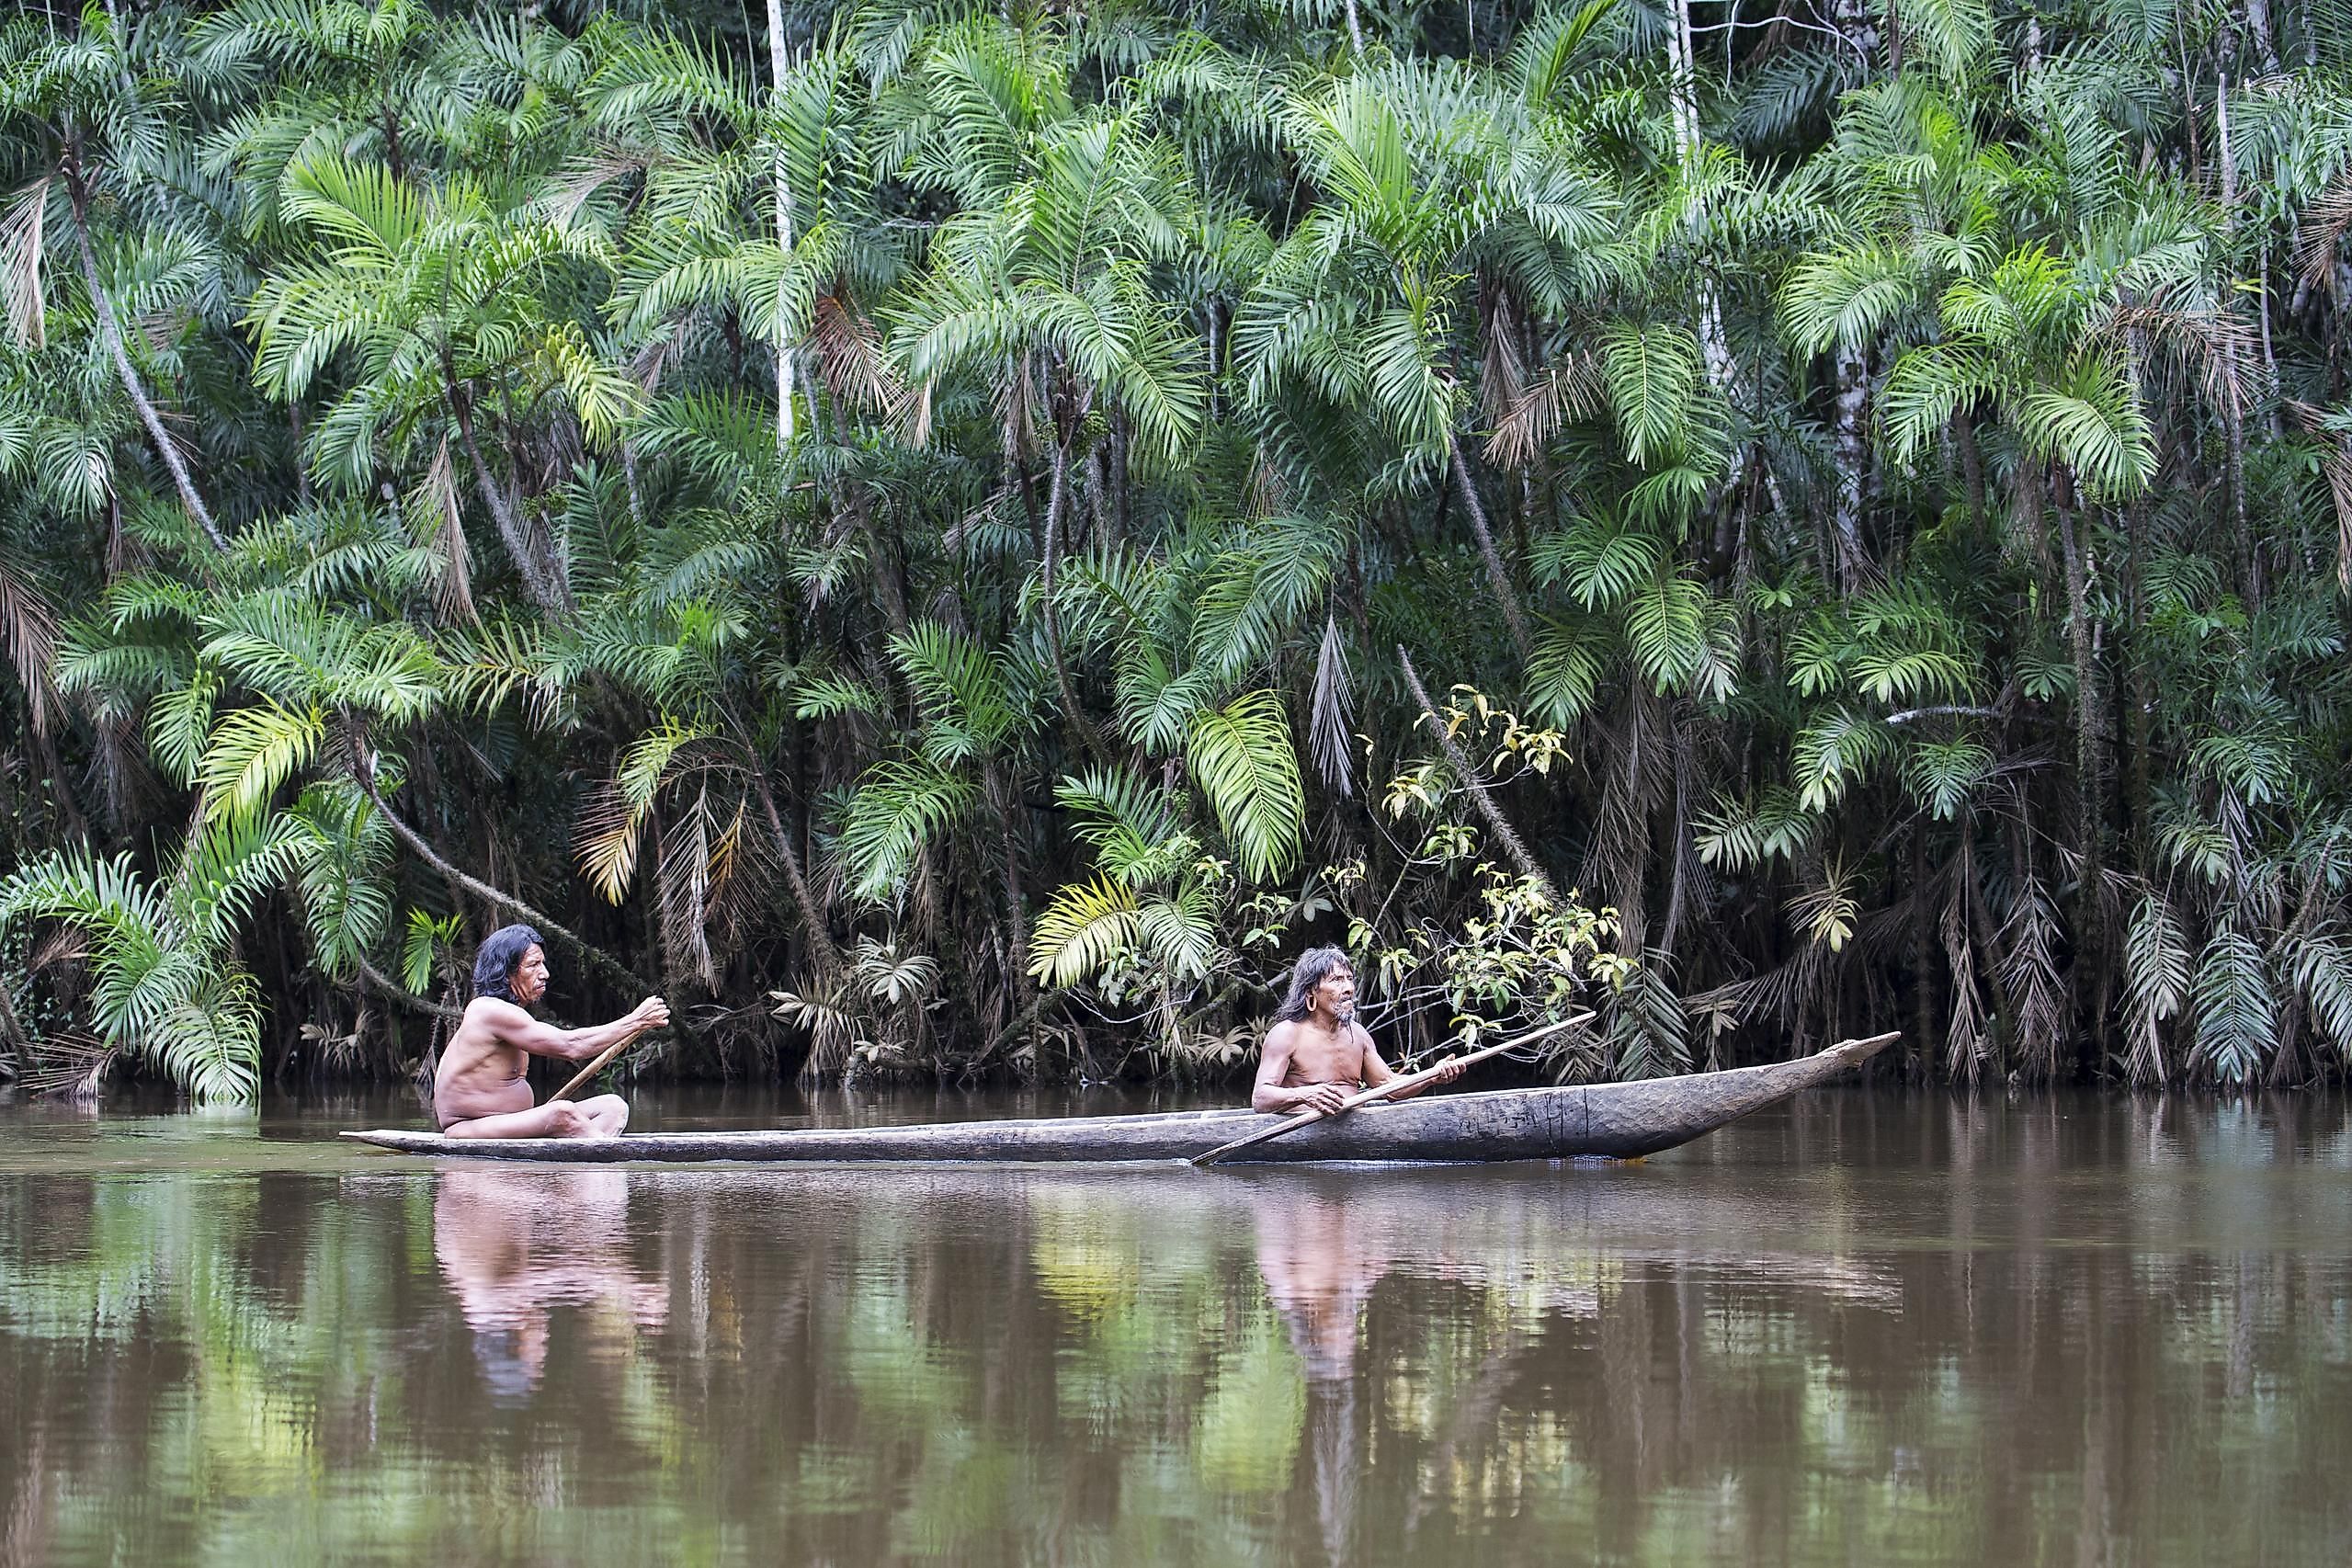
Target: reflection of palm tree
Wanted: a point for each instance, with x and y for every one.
(513, 1245)
(1319, 1273)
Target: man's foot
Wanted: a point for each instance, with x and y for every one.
(607, 1116)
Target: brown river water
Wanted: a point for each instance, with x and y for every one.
(1867, 1328)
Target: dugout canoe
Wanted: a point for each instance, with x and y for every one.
(1613, 1121)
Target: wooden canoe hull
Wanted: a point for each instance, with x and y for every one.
(1615, 1121)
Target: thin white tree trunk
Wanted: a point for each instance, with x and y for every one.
(1853, 459)
(2257, 16)
(778, 64)
(1682, 98)
(110, 334)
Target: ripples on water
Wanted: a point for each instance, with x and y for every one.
(1861, 1329)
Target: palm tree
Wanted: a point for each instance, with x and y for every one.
(963, 481)
(1428, 186)
(100, 141)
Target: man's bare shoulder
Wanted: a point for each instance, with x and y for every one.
(492, 1018)
(1284, 1032)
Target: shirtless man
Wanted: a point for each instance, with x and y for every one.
(1317, 1054)
(479, 1090)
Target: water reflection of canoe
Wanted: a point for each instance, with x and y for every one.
(1610, 1119)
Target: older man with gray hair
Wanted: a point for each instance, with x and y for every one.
(1317, 1054)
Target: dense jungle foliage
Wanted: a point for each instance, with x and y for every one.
(953, 540)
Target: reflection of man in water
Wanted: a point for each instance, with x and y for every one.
(514, 1244)
(1319, 1273)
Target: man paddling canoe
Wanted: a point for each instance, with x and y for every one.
(1317, 1054)
(479, 1091)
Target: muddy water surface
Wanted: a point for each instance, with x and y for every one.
(1867, 1328)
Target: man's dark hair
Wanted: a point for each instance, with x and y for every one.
(495, 960)
(1314, 967)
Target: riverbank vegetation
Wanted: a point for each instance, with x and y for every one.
(951, 540)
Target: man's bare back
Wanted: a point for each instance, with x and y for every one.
(479, 1090)
(1316, 1061)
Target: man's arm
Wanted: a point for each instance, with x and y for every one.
(1274, 1064)
(1378, 1072)
(512, 1026)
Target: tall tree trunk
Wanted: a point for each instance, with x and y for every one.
(823, 953)
(1504, 596)
(2140, 697)
(1682, 102)
(778, 63)
(1057, 502)
(1853, 459)
(2265, 44)
(2088, 793)
(1512, 844)
(1001, 795)
(110, 331)
(541, 581)
(2234, 407)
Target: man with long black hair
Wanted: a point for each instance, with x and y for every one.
(1317, 1054)
(479, 1090)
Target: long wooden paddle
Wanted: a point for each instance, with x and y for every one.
(1392, 1087)
(592, 1068)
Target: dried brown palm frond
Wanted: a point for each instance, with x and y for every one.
(612, 817)
(21, 288)
(1968, 1043)
(70, 1066)
(1502, 379)
(1270, 490)
(2337, 464)
(2029, 968)
(698, 856)
(850, 358)
(1015, 397)
(1569, 388)
(913, 427)
(672, 342)
(994, 510)
(439, 526)
(576, 186)
(61, 944)
(2325, 223)
(2221, 347)
(1636, 742)
(29, 632)
(682, 876)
